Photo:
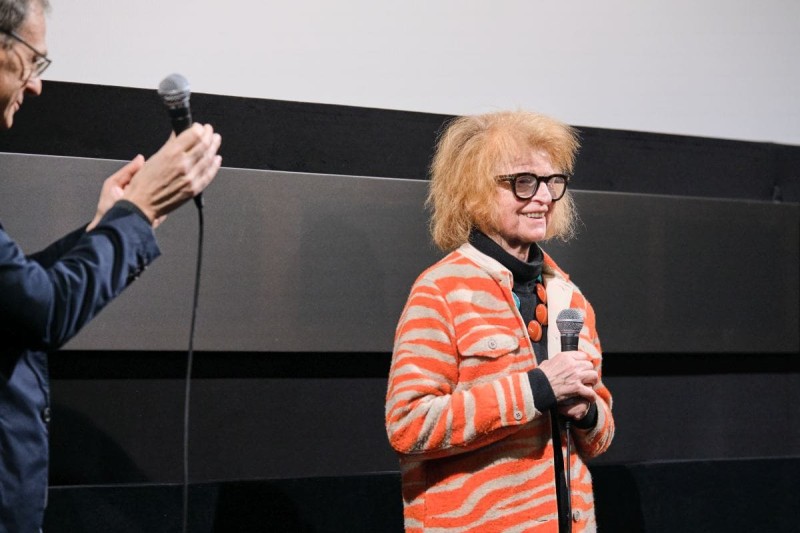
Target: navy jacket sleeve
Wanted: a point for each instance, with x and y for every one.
(46, 299)
(50, 255)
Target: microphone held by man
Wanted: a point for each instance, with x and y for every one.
(175, 91)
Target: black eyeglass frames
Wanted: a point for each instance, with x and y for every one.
(525, 184)
(41, 61)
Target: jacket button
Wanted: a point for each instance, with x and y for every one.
(46, 415)
(517, 415)
(577, 515)
(492, 344)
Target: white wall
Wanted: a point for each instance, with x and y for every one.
(716, 68)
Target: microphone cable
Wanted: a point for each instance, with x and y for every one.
(189, 362)
(567, 470)
(175, 92)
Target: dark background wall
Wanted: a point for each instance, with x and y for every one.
(267, 411)
(114, 122)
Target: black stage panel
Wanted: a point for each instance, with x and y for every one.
(309, 424)
(699, 496)
(74, 119)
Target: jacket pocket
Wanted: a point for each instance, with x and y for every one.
(487, 341)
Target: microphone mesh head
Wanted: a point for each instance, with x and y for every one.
(569, 321)
(175, 91)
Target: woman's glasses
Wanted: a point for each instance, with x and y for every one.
(525, 184)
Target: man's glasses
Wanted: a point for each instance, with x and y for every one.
(525, 184)
(40, 63)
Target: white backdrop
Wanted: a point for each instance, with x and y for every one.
(715, 68)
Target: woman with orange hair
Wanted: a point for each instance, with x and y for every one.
(482, 404)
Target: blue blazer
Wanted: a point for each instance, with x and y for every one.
(45, 299)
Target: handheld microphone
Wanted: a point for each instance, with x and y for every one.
(570, 323)
(174, 91)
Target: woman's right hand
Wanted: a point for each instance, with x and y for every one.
(571, 374)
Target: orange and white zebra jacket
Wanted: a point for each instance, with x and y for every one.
(475, 452)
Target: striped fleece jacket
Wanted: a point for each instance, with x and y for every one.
(475, 452)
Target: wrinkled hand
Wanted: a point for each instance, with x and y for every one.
(179, 171)
(574, 408)
(571, 375)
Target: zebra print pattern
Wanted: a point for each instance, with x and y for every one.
(475, 452)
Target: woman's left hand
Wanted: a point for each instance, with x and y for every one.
(574, 408)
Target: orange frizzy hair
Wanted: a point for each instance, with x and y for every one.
(470, 153)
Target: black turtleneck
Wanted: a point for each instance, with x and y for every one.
(525, 273)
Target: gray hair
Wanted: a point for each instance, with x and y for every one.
(14, 12)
